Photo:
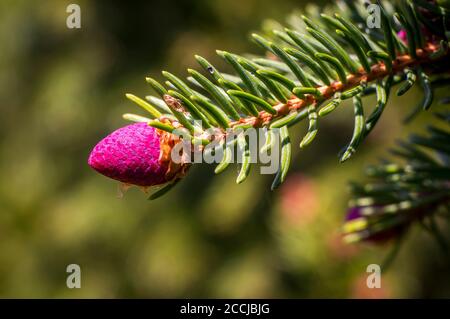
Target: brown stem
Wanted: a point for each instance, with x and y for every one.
(378, 71)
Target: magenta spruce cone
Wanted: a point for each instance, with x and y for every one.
(136, 154)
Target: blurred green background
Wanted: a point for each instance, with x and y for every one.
(62, 90)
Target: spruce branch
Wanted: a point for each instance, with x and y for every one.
(307, 70)
(377, 71)
(397, 195)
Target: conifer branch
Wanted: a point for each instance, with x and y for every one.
(378, 71)
(327, 59)
(307, 70)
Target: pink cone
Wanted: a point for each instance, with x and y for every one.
(131, 155)
(402, 35)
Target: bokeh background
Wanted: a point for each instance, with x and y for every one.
(61, 90)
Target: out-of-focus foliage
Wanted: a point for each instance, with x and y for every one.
(61, 90)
